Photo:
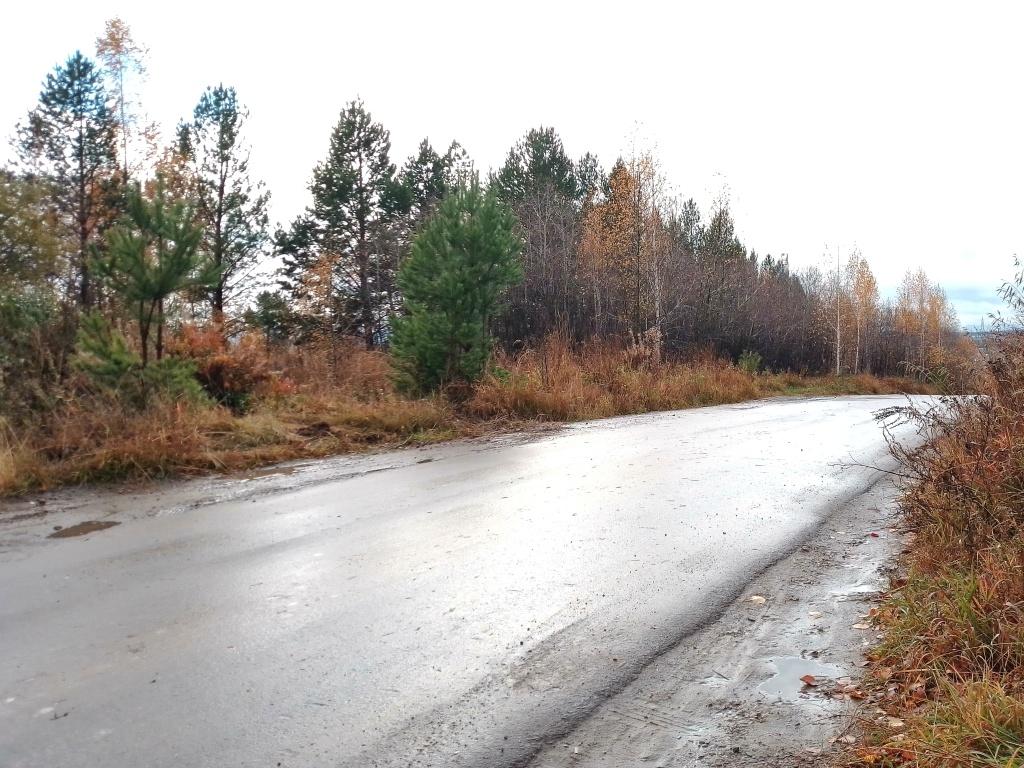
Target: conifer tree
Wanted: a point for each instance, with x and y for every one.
(231, 207)
(70, 138)
(271, 316)
(461, 263)
(538, 162)
(427, 177)
(356, 200)
(152, 256)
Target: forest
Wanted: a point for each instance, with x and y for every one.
(155, 320)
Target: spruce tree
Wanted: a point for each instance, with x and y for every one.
(70, 138)
(231, 206)
(462, 261)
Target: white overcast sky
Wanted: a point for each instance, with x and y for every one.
(895, 127)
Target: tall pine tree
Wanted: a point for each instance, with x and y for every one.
(427, 177)
(538, 162)
(231, 206)
(347, 230)
(70, 138)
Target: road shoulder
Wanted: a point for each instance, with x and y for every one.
(731, 694)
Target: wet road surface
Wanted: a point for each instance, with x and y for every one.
(463, 604)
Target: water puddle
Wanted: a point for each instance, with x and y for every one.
(89, 526)
(256, 474)
(786, 684)
(856, 590)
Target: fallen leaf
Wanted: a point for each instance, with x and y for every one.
(809, 680)
(894, 722)
(861, 625)
(757, 599)
(873, 535)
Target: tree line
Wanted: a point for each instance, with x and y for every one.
(105, 230)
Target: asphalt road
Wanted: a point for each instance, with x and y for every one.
(458, 605)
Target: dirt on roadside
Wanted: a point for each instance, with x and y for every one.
(736, 693)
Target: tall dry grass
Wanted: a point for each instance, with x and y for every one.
(559, 382)
(318, 401)
(951, 667)
(599, 379)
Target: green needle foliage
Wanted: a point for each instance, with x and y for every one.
(461, 263)
(114, 369)
(153, 256)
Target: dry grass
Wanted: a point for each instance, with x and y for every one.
(951, 668)
(105, 442)
(16, 460)
(556, 383)
(598, 380)
(343, 401)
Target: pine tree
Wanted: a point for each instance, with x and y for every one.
(153, 256)
(461, 263)
(538, 162)
(356, 200)
(231, 207)
(427, 177)
(70, 138)
(271, 316)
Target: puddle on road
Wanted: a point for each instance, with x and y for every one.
(256, 474)
(89, 526)
(856, 590)
(786, 684)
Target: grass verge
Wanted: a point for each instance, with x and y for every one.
(352, 407)
(947, 681)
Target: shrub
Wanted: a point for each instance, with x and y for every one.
(952, 662)
(33, 343)
(750, 361)
(558, 381)
(113, 369)
(232, 374)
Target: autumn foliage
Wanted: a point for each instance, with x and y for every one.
(141, 284)
(949, 676)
